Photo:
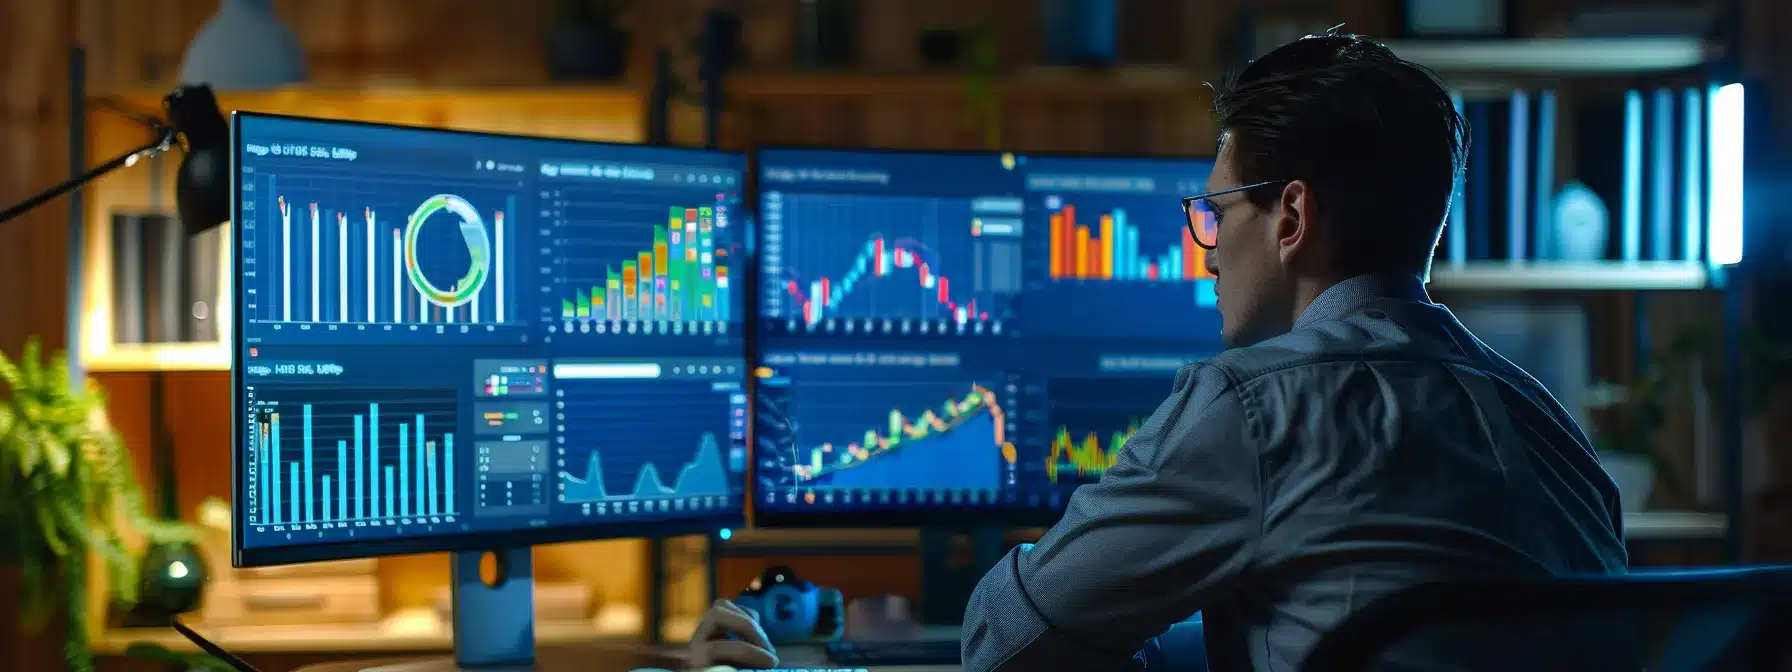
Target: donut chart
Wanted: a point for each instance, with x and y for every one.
(473, 232)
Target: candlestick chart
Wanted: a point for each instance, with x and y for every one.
(897, 434)
(890, 263)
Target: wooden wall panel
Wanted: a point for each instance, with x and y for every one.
(34, 40)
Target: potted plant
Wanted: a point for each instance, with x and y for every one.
(1626, 442)
(66, 491)
(588, 42)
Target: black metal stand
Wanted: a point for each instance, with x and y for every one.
(1731, 420)
(947, 576)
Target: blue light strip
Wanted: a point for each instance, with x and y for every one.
(1692, 160)
(1661, 178)
(1724, 213)
(1544, 182)
(1632, 213)
(1518, 145)
(1458, 223)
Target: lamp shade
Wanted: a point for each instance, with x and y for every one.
(244, 47)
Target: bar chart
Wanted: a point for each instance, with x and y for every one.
(348, 458)
(890, 264)
(624, 264)
(678, 281)
(1116, 266)
(330, 253)
(1108, 249)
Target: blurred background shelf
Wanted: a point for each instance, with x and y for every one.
(1562, 56)
(1571, 275)
(1674, 526)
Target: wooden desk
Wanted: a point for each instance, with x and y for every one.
(602, 657)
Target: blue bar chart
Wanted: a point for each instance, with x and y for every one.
(379, 254)
(352, 458)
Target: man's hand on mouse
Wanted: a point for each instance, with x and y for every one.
(730, 635)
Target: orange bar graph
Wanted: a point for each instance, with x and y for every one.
(1106, 267)
(1082, 251)
(1108, 249)
(1057, 227)
(1192, 262)
(1072, 256)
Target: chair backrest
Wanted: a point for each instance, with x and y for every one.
(1718, 606)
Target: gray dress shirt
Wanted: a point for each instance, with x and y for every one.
(1284, 485)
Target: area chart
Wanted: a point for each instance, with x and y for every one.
(935, 449)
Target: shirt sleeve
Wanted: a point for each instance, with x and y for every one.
(1168, 530)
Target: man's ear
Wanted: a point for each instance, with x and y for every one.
(1294, 219)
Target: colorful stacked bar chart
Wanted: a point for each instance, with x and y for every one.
(1110, 251)
(681, 278)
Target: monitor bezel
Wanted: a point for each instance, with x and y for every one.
(760, 517)
(242, 556)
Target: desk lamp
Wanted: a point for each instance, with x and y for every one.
(172, 574)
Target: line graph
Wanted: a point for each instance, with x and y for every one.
(377, 251)
(1085, 456)
(704, 475)
(1089, 421)
(890, 264)
(627, 264)
(648, 445)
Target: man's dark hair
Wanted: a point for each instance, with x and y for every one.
(1376, 137)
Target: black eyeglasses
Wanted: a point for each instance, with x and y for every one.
(1204, 217)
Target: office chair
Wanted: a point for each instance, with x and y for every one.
(1723, 623)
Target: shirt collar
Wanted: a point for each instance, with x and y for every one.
(1343, 298)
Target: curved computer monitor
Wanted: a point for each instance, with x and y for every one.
(465, 341)
(963, 338)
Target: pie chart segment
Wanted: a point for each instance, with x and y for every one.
(473, 234)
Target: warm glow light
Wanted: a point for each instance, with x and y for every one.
(177, 570)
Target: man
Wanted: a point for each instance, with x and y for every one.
(1355, 440)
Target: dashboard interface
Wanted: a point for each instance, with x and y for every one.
(944, 335)
(446, 333)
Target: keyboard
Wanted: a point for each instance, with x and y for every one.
(922, 652)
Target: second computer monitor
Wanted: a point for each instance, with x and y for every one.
(964, 337)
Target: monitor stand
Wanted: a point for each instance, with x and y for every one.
(948, 575)
(493, 624)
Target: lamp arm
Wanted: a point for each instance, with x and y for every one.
(164, 141)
